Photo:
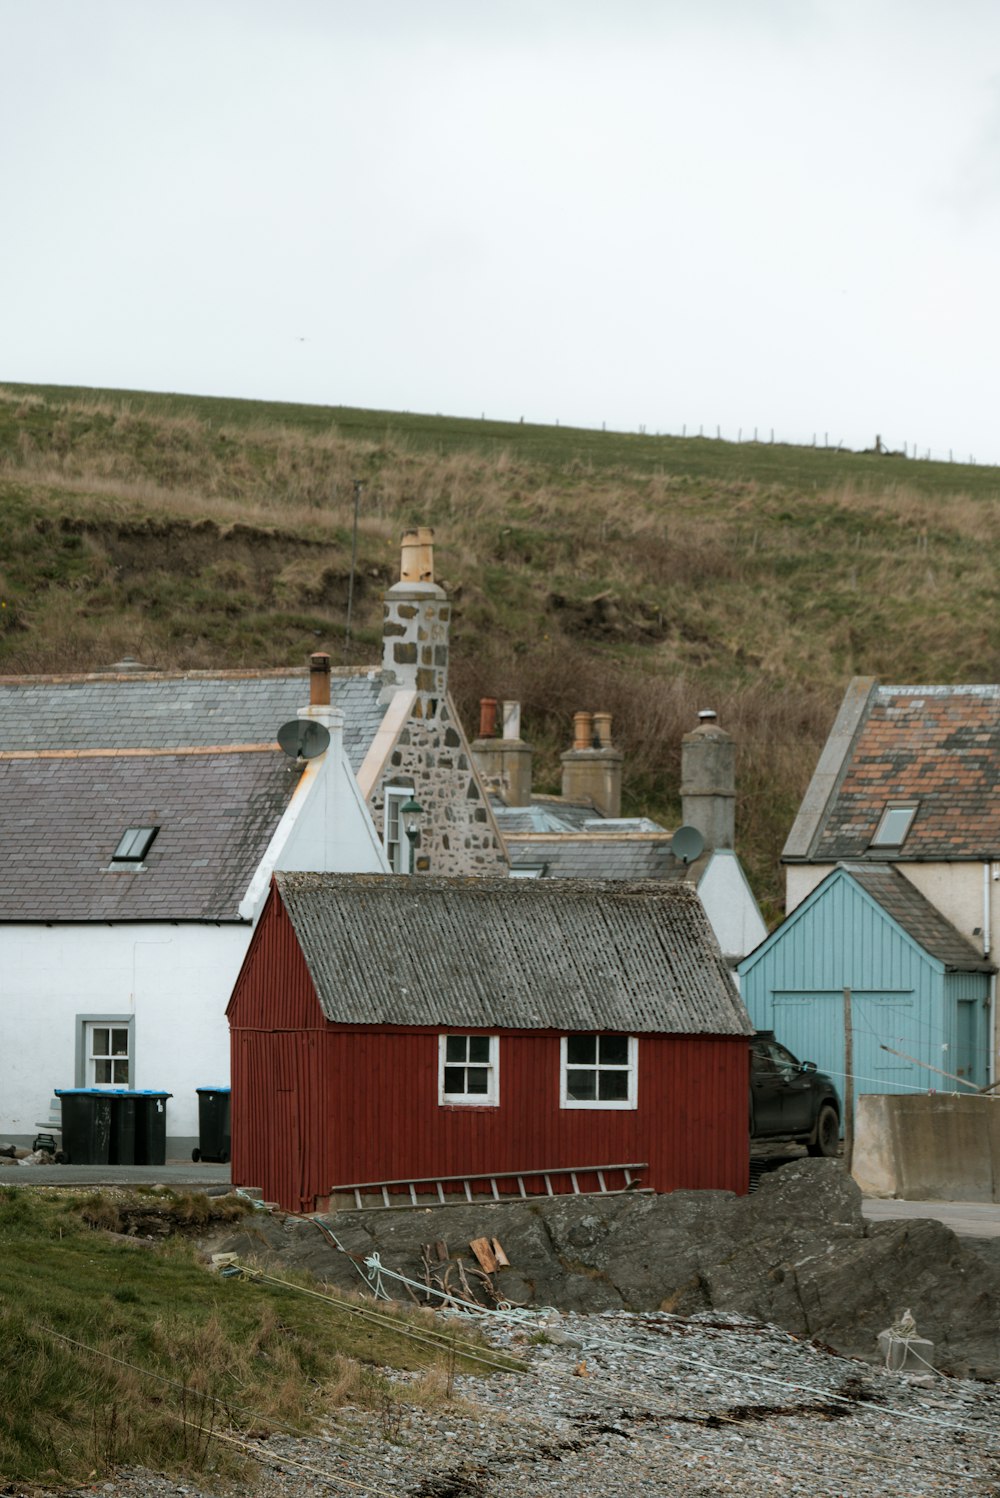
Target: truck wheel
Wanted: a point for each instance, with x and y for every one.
(827, 1138)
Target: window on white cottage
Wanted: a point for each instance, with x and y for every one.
(599, 1071)
(107, 1055)
(469, 1069)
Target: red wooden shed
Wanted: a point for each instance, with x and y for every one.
(389, 1028)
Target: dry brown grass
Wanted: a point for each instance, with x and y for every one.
(747, 595)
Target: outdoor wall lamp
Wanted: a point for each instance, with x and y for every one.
(410, 811)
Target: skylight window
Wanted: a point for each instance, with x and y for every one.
(134, 845)
(894, 825)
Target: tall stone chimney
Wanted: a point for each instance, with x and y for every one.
(504, 762)
(592, 769)
(416, 616)
(708, 782)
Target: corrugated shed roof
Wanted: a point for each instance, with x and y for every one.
(938, 746)
(517, 954)
(61, 819)
(176, 710)
(918, 917)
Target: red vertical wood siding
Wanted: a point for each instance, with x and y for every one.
(316, 1105)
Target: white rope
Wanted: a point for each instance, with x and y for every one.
(524, 1315)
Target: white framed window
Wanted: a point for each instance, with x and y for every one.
(105, 1051)
(398, 848)
(599, 1071)
(469, 1070)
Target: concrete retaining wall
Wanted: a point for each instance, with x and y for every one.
(943, 1147)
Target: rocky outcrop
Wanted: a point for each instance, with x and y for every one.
(797, 1253)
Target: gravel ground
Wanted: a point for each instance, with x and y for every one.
(648, 1404)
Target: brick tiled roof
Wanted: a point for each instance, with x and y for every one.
(936, 746)
(61, 818)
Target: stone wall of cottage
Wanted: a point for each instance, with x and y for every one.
(457, 833)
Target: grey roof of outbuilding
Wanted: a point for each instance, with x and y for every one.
(918, 917)
(174, 710)
(512, 954)
(62, 816)
(596, 855)
(544, 814)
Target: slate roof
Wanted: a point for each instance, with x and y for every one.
(61, 818)
(517, 954)
(544, 814)
(599, 855)
(938, 746)
(174, 710)
(918, 917)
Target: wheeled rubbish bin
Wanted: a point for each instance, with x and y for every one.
(151, 1127)
(214, 1138)
(86, 1124)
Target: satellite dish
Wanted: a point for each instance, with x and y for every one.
(686, 844)
(301, 738)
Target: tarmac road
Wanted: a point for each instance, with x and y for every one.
(179, 1174)
(967, 1219)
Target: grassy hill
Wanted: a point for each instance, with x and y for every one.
(651, 576)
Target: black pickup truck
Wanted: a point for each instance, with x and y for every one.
(790, 1099)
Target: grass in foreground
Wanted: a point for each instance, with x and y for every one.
(119, 1354)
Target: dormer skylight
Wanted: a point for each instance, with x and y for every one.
(895, 823)
(135, 844)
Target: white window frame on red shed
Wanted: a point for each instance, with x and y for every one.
(488, 1099)
(630, 1068)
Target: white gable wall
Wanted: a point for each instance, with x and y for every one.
(326, 827)
(729, 903)
(173, 980)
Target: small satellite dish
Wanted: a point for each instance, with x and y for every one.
(301, 738)
(686, 844)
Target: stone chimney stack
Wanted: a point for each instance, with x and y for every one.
(592, 769)
(416, 616)
(504, 762)
(708, 782)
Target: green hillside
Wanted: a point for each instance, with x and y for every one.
(651, 576)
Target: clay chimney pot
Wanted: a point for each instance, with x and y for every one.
(416, 564)
(487, 717)
(319, 679)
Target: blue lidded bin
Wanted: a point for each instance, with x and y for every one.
(123, 1120)
(151, 1127)
(214, 1133)
(86, 1124)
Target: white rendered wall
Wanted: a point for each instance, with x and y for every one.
(175, 979)
(956, 889)
(801, 879)
(730, 906)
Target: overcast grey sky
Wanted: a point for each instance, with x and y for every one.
(770, 213)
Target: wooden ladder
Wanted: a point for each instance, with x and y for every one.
(462, 1185)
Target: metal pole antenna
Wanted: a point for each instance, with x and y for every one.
(358, 486)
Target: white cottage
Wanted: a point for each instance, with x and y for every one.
(143, 813)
